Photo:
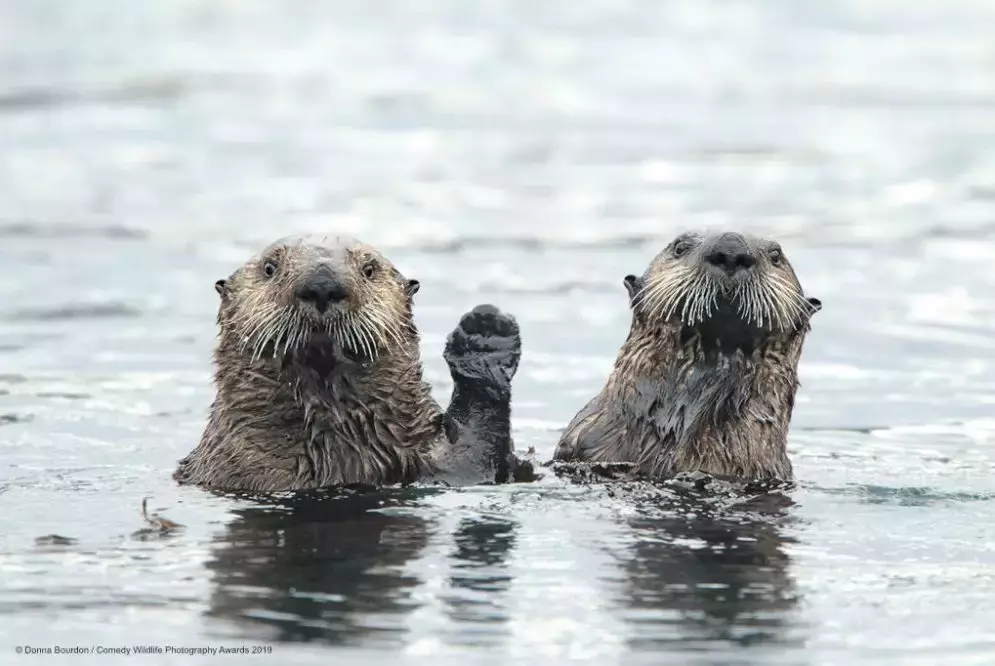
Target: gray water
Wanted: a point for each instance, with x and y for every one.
(528, 154)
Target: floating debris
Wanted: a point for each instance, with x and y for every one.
(586, 473)
(156, 520)
(159, 525)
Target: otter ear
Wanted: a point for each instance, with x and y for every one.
(632, 285)
(816, 304)
(412, 288)
(221, 286)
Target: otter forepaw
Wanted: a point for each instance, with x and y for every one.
(485, 347)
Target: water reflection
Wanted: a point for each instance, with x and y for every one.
(702, 571)
(331, 567)
(321, 567)
(479, 581)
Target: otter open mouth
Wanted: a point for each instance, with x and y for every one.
(726, 328)
(358, 334)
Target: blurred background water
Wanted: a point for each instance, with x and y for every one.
(528, 154)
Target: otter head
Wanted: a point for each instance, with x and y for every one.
(731, 291)
(305, 291)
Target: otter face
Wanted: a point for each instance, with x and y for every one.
(726, 286)
(303, 290)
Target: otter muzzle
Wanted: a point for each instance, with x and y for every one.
(321, 289)
(730, 254)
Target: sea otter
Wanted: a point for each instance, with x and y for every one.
(706, 380)
(319, 380)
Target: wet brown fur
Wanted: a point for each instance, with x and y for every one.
(714, 396)
(302, 411)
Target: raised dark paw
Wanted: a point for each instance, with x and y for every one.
(485, 348)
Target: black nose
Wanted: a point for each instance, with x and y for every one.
(730, 253)
(322, 289)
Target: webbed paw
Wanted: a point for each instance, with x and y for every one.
(485, 348)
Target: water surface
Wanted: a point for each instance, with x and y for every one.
(530, 155)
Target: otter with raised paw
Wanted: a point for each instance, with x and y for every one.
(319, 380)
(706, 380)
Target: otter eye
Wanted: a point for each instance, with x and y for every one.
(776, 256)
(269, 269)
(681, 248)
(370, 269)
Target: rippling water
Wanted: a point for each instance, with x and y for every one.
(530, 155)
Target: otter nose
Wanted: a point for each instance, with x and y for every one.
(730, 253)
(322, 289)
